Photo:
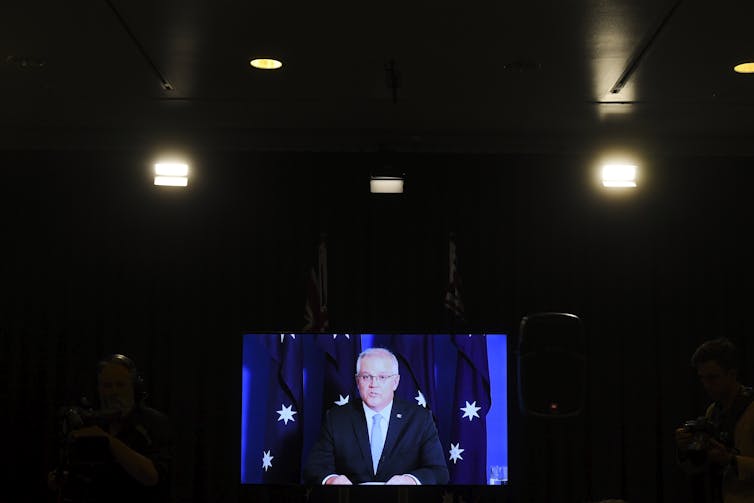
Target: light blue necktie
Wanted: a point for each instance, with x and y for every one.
(377, 441)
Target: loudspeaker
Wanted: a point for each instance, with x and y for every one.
(551, 365)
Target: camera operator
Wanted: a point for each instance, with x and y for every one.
(722, 441)
(120, 452)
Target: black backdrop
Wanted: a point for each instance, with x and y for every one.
(97, 260)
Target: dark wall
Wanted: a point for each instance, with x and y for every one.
(97, 260)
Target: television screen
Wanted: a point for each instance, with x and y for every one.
(289, 381)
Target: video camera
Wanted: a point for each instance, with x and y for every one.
(76, 417)
(77, 453)
(702, 426)
(703, 429)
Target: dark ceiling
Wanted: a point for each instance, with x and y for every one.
(473, 77)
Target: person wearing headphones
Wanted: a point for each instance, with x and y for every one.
(720, 444)
(136, 439)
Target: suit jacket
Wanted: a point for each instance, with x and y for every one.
(411, 446)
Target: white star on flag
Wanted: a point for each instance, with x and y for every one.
(282, 337)
(455, 452)
(470, 410)
(267, 460)
(342, 400)
(420, 399)
(286, 413)
(335, 336)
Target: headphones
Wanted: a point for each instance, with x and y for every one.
(140, 391)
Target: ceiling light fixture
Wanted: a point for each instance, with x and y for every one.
(171, 181)
(266, 63)
(619, 175)
(386, 185)
(747, 67)
(172, 174)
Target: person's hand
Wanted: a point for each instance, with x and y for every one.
(683, 438)
(400, 480)
(339, 480)
(718, 453)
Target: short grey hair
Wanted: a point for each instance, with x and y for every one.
(384, 352)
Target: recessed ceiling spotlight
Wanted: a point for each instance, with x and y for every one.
(747, 67)
(266, 63)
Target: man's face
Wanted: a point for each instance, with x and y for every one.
(116, 389)
(718, 382)
(375, 394)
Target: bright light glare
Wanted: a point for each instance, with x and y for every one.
(618, 175)
(266, 63)
(171, 169)
(744, 68)
(386, 185)
(618, 184)
(171, 181)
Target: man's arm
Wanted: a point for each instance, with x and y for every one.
(432, 468)
(320, 465)
(156, 430)
(136, 465)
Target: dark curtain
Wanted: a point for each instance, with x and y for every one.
(96, 260)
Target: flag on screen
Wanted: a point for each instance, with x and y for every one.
(315, 313)
(467, 452)
(416, 354)
(341, 351)
(281, 455)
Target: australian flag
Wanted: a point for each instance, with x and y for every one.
(341, 351)
(281, 455)
(416, 355)
(468, 431)
(467, 461)
(315, 309)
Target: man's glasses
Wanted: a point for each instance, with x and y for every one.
(366, 378)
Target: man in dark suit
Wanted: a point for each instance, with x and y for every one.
(379, 438)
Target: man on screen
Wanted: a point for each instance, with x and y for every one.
(379, 438)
